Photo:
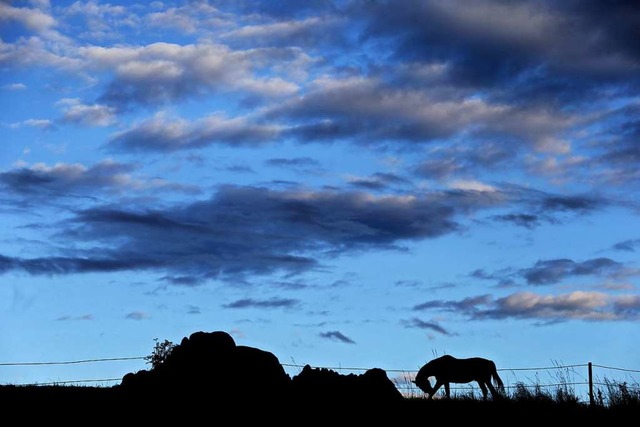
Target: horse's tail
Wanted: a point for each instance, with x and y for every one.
(497, 380)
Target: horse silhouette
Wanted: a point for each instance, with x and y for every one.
(448, 369)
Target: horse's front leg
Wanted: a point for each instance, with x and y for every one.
(446, 390)
(438, 385)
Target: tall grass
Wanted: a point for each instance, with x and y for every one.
(613, 394)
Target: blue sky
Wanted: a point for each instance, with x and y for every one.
(343, 183)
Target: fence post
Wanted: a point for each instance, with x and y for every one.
(591, 402)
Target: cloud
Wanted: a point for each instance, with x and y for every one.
(137, 315)
(57, 265)
(551, 207)
(242, 230)
(192, 309)
(188, 281)
(552, 271)
(64, 179)
(421, 324)
(462, 305)
(374, 111)
(83, 317)
(247, 230)
(293, 162)
(311, 32)
(88, 115)
(491, 43)
(463, 160)
(369, 110)
(161, 73)
(520, 219)
(379, 181)
(270, 303)
(627, 245)
(162, 134)
(14, 86)
(336, 336)
(578, 305)
(44, 124)
(33, 19)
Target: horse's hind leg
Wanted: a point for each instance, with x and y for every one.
(494, 392)
(484, 389)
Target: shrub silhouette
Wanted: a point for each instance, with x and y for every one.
(161, 352)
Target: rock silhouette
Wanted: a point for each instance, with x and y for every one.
(325, 385)
(210, 367)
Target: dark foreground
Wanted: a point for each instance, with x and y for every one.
(93, 405)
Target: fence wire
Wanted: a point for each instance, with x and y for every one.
(403, 383)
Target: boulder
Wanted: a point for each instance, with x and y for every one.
(210, 366)
(325, 385)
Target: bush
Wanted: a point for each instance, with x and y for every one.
(161, 352)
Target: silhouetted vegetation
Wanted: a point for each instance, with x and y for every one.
(160, 353)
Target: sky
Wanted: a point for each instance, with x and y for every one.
(342, 183)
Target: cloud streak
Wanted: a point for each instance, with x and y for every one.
(577, 305)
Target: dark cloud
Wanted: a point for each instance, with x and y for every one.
(550, 207)
(580, 204)
(462, 305)
(421, 324)
(243, 231)
(259, 231)
(137, 315)
(65, 179)
(270, 303)
(293, 162)
(188, 281)
(503, 277)
(336, 336)
(192, 309)
(627, 245)
(522, 220)
(379, 181)
(246, 230)
(72, 265)
(408, 283)
(619, 151)
(305, 165)
(492, 43)
(552, 271)
(83, 317)
(578, 305)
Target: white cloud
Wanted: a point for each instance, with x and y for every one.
(471, 185)
(35, 123)
(33, 19)
(90, 115)
(14, 86)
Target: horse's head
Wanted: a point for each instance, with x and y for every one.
(423, 384)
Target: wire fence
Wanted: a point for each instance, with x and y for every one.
(576, 379)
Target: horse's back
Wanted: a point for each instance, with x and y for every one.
(452, 369)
